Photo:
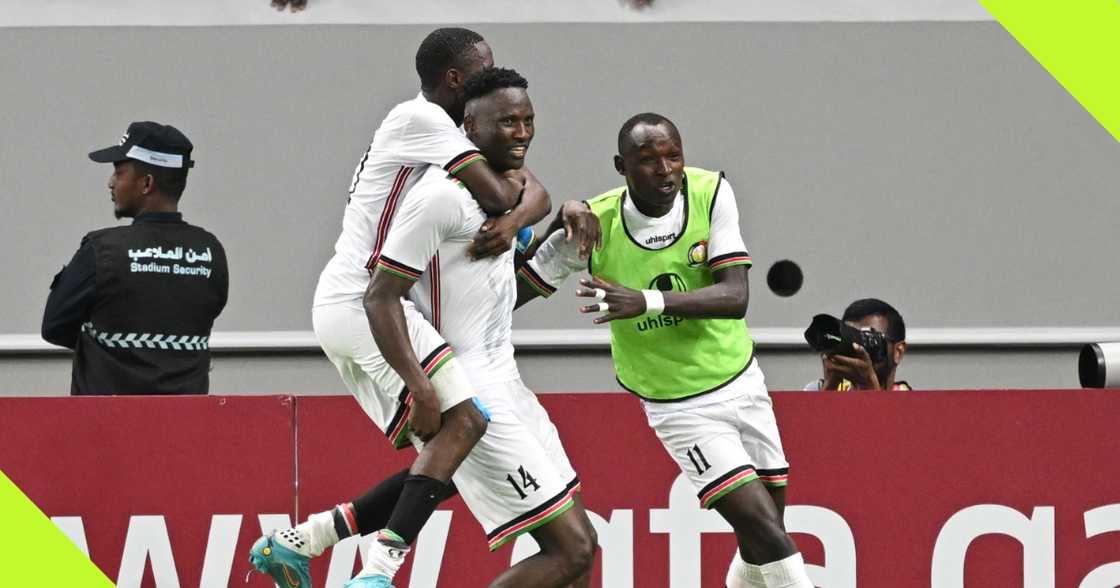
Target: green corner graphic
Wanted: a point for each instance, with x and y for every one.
(39, 554)
(1078, 42)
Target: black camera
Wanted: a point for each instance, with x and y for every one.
(828, 334)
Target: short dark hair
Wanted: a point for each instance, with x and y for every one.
(489, 80)
(169, 181)
(865, 307)
(649, 118)
(441, 50)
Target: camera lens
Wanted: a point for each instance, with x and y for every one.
(1099, 365)
(1091, 366)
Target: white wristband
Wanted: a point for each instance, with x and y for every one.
(655, 302)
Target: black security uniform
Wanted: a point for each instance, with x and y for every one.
(136, 304)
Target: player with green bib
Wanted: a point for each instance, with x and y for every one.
(670, 277)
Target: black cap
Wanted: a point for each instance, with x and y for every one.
(152, 143)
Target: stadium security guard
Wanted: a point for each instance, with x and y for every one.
(136, 302)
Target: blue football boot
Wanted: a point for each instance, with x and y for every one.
(287, 567)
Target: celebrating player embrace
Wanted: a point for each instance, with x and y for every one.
(671, 279)
(517, 478)
(434, 402)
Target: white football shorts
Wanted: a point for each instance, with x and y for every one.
(518, 477)
(727, 442)
(344, 335)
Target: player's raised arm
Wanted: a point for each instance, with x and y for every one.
(536, 203)
(433, 138)
(498, 232)
(495, 193)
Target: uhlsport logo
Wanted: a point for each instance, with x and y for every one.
(698, 254)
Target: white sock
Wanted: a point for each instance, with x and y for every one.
(786, 573)
(317, 534)
(744, 575)
(386, 555)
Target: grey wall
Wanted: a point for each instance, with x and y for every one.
(933, 165)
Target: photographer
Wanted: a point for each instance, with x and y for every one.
(864, 356)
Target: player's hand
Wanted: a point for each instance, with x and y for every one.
(495, 237)
(621, 302)
(581, 226)
(859, 370)
(425, 419)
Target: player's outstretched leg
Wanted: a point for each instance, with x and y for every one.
(284, 555)
(427, 484)
(567, 552)
(767, 556)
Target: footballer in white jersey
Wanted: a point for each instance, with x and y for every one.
(416, 135)
(470, 302)
(517, 479)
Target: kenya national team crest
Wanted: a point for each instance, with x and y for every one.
(667, 283)
(698, 254)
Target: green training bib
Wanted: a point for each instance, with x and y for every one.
(667, 358)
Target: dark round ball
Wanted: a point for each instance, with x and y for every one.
(784, 278)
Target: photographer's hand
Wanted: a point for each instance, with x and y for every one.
(860, 371)
(832, 378)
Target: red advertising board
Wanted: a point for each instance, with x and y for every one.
(155, 486)
(977, 488)
(915, 475)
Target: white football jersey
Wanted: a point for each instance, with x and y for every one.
(414, 135)
(469, 302)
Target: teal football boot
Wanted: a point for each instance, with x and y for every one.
(287, 567)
